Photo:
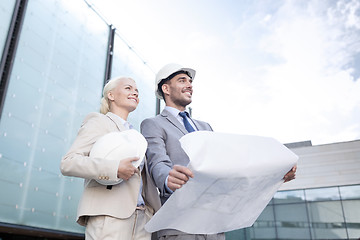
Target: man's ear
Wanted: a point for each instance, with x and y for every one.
(110, 96)
(165, 89)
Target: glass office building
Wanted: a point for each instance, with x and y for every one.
(322, 203)
(320, 213)
(56, 56)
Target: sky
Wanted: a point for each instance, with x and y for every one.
(289, 70)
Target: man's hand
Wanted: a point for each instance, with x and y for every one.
(290, 175)
(126, 170)
(178, 176)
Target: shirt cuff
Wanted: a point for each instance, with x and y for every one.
(166, 186)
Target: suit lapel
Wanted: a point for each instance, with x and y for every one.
(116, 120)
(198, 127)
(173, 121)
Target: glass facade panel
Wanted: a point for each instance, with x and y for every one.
(318, 214)
(352, 217)
(292, 221)
(56, 80)
(350, 192)
(295, 196)
(322, 194)
(6, 12)
(327, 220)
(126, 63)
(264, 227)
(241, 234)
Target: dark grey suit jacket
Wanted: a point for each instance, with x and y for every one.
(164, 150)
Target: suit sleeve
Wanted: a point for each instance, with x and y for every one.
(77, 162)
(158, 160)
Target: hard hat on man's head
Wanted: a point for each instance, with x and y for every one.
(168, 70)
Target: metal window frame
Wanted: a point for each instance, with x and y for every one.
(28, 231)
(109, 54)
(11, 44)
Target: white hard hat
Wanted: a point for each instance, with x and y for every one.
(119, 145)
(166, 71)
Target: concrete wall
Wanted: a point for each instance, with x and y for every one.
(335, 164)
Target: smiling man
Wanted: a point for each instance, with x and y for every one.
(167, 160)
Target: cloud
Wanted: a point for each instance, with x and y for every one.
(295, 84)
(313, 81)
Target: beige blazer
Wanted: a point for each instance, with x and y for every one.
(120, 201)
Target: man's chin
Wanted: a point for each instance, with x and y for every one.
(188, 101)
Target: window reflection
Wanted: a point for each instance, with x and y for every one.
(6, 11)
(308, 214)
(126, 63)
(289, 197)
(57, 78)
(350, 192)
(322, 194)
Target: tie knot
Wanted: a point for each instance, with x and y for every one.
(183, 114)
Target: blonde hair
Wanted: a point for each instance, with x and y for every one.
(110, 85)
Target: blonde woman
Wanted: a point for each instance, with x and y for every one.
(119, 211)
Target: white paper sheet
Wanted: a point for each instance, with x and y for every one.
(235, 177)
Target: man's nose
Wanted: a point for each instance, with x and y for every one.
(189, 84)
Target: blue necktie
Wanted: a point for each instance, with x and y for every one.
(187, 125)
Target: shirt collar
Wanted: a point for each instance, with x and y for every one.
(123, 122)
(173, 111)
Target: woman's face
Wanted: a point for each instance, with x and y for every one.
(125, 96)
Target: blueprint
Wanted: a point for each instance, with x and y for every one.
(235, 177)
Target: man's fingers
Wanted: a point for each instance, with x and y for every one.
(177, 181)
(178, 175)
(294, 168)
(288, 179)
(291, 172)
(173, 186)
(184, 170)
(289, 176)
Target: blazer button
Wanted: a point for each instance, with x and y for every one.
(107, 177)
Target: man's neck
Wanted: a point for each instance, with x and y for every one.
(180, 108)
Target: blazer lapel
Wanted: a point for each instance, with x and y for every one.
(196, 125)
(173, 120)
(116, 120)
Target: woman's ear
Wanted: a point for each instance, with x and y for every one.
(110, 96)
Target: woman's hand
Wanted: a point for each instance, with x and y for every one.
(126, 169)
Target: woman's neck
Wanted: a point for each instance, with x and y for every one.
(121, 113)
